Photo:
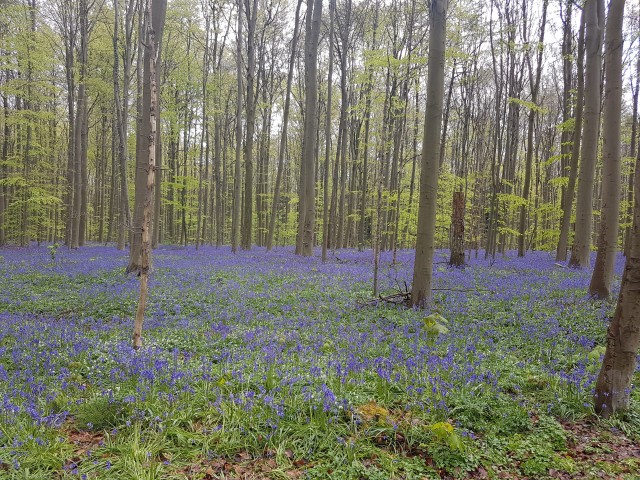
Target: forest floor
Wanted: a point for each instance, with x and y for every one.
(270, 366)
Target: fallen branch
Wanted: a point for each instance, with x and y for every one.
(483, 290)
(398, 298)
(403, 297)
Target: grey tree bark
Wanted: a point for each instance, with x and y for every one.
(580, 255)
(613, 387)
(285, 125)
(154, 20)
(534, 85)
(237, 185)
(251, 12)
(307, 212)
(147, 134)
(602, 277)
(567, 204)
(327, 139)
(423, 267)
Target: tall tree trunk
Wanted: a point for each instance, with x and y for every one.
(307, 217)
(534, 85)
(3, 168)
(251, 13)
(613, 387)
(69, 33)
(237, 181)
(327, 139)
(285, 123)
(157, 201)
(203, 198)
(146, 137)
(633, 153)
(567, 204)
(122, 114)
(425, 245)
(581, 253)
(456, 258)
(153, 26)
(602, 277)
(80, 132)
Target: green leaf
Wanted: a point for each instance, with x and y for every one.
(527, 104)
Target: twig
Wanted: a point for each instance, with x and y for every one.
(484, 290)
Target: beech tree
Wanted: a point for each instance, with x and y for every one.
(285, 126)
(154, 15)
(613, 387)
(425, 247)
(306, 219)
(147, 134)
(574, 152)
(237, 186)
(581, 252)
(602, 276)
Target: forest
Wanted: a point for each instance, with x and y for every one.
(319, 239)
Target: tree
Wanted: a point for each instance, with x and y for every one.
(425, 246)
(602, 277)
(121, 106)
(456, 258)
(251, 12)
(285, 126)
(613, 387)
(307, 213)
(567, 199)
(147, 133)
(154, 14)
(327, 138)
(581, 253)
(237, 185)
(534, 84)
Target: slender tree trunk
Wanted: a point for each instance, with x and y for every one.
(237, 186)
(307, 217)
(602, 278)
(567, 204)
(425, 246)
(79, 129)
(147, 133)
(633, 153)
(285, 123)
(157, 201)
(113, 190)
(457, 235)
(580, 255)
(613, 387)
(153, 26)
(202, 196)
(247, 223)
(327, 139)
(3, 169)
(535, 86)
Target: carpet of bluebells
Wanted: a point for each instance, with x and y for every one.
(268, 365)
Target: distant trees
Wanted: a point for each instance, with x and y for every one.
(240, 114)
